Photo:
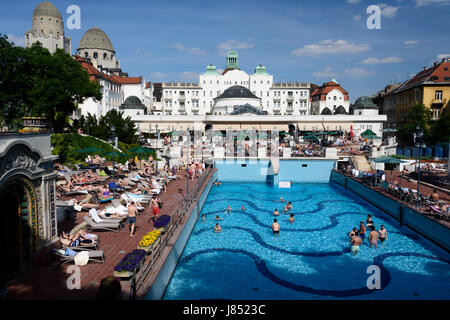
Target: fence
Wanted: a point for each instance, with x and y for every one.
(138, 280)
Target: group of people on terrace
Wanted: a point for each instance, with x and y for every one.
(95, 192)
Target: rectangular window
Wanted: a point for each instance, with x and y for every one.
(438, 95)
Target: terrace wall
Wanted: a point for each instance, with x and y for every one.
(431, 229)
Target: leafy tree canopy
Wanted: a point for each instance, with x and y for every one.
(34, 82)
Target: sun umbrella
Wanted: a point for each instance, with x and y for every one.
(368, 132)
(387, 159)
(143, 150)
(114, 154)
(90, 150)
(311, 137)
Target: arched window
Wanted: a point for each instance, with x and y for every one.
(95, 55)
(86, 54)
(104, 56)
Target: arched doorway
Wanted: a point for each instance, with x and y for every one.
(18, 233)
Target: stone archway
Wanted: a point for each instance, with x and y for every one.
(18, 231)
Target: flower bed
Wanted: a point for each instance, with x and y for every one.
(162, 223)
(130, 263)
(150, 241)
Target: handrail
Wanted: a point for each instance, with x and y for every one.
(176, 219)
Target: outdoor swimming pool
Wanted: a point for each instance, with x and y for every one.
(311, 258)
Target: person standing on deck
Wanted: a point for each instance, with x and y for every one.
(132, 210)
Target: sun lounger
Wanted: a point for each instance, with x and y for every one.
(107, 226)
(93, 256)
(87, 247)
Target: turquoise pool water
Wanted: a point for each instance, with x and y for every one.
(311, 258)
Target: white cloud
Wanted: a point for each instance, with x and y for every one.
(180, 47)
(189, 76)
(421, 3)
(441, 56)
(357, 72)
(382, 60)
(139, 52)
(411, 43)
(353, 1)
(388, 11)
(330, 47)
(158, 75)
(18, 41)
(327, 72)
(233, 44)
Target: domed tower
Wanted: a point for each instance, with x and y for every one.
(48, 29)
(96, 46)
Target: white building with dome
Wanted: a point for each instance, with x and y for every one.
(180, 98)
(48, 29)
(96, 46)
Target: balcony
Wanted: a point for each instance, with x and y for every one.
(277, 99)
(167, 98)
(437, 102)
(182, 98)
(290, 98)
(195, 98)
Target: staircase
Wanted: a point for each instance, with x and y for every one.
(360, 163)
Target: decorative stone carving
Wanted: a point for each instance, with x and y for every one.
(18, 158)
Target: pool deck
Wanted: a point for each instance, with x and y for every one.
(405, 182)
(47, 279)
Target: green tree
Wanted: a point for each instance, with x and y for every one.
(419, 115)
(38, 83)
(101, 128)
(440, 130)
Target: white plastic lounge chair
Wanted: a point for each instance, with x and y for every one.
(107, 226)
(94, 255)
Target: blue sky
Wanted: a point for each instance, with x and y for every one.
(305, 41)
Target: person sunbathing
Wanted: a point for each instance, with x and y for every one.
(80, 238)
(85, 205)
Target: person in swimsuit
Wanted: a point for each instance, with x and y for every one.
(276, 227)
(203, 217)
(229, 209)
(362, 230)
(243, 208)
(382, 234)
(276, 213)
(369, 222)
(291, 218)
(155, 207)
(132, 210)
(353, 233)
(218, 218)
(217, 228)
(373, 237)
(356, 242)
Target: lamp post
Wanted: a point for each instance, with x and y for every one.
(113, 131)
(156, 147)
(418, 140)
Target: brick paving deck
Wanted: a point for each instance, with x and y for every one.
(47, 279)
(392, 176)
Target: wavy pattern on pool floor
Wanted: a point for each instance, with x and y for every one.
(264, 270)
(250, 204)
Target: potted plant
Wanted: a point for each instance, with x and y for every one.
(150, 241)
(162, 223)
(129, 264)
(109, 289)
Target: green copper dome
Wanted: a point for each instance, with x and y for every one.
(211, 69)
(232, 60)
(260, 69)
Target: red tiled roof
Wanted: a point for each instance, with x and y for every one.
(94, 73)
(127, 80)
(147, 85)
(325, 88)
(437, 72)
(228, 69)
